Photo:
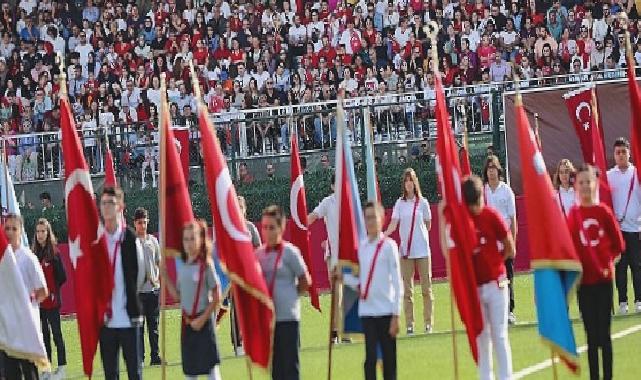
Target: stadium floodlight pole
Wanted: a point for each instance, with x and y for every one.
(432, 34)
(200, 107)
(162, 200)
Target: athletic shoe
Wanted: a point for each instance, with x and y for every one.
(511, 318)
(45, 376)
(60, 373)
(240, 351)
(346, 340)
(410, 331)
(428, 329)
(155, 361)
(334, 339)
(623, 308)
(638, 306)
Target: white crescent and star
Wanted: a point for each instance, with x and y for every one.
(293, 201)
(582, 105)
(78, 177)
(75, 252)
(223, 190)
(587, 223)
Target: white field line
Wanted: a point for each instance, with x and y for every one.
(547, 363)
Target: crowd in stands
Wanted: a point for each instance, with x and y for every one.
(252, 54)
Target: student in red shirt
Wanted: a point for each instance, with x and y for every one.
(491, 279)
(598, 242)
(45, 249)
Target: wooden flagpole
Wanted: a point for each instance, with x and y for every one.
(555, 373)
(432, 35)
(332, 321)
(161, 213)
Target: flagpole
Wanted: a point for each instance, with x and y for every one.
(432, 34)
(161, 213)
(536, 130)
(555, 374)
(6, 169)
(332, 321)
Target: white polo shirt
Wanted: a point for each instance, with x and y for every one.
(385, 295)
(566, 198)
(31, 272)
(502, 200)
(403, 211)
(620, 185)
(328, 210)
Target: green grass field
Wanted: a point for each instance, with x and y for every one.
(419, 357)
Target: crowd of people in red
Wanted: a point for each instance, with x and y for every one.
(251, 54)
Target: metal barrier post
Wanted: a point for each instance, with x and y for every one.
(496, 115)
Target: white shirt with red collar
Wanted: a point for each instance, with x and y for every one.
(384, 296)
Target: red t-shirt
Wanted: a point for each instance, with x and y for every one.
(485, 53)
(488, 261)
(604, 236)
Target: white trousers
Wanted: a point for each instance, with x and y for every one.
(213, 375)
(494, 305)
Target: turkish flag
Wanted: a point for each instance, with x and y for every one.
(635, 109)
(87, 250)
(233, 243)
(181, 140)
(557, 267)
(460, 231)
(299, 233)
(110, 173)
(466, 168)
(173, 187)
(584, 112)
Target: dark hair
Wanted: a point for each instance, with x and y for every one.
(141, 213)
(589, 169)
(376, 205)
(45, 195)
(492, 160)
(472, 189)
(12, 216)
(199, 226)
(275, 212)
(113, 192)
(622, 142)
(49, 250)
(332, 179)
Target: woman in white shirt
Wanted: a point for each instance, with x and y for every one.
(412, 213)
(500, 196)
(564, 184)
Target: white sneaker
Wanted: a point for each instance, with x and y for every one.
(240, 351)
(60, 373)
(428, 329)
(638, 306)
(45, 376)
(623, 308)
(511, 318)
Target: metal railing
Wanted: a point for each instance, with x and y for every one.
(400, 118)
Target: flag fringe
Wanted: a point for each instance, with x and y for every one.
(41, 362)
(570, 359)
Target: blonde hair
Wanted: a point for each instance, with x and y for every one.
(411, 174)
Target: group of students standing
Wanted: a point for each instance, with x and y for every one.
(386, 274)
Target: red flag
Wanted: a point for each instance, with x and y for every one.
(551, 245)
(635, 108)
(584, 113)
(181, 140)
(110, 174)
(173, 188)
(466, 168)
(233, 243)
(87, 250)
(460, 231)
(299, 233)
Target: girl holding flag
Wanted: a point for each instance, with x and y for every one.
(198, 290)
(598, 241)
(287, 278)
(45, 248)
(412, 213)
(563, 182)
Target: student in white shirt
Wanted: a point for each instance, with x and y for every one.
(381, 293)
(564, 184)
(499, 195)
(328, 210)
(412, 213)
(626, 200)
(36, 286)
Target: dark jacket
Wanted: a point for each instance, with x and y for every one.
(130, 270)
